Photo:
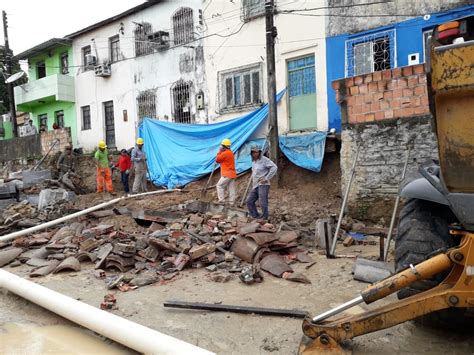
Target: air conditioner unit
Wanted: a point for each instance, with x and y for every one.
(160, 40)
(103, 70)
(91, 60)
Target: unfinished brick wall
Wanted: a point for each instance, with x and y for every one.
(48, 138)
(383, 112)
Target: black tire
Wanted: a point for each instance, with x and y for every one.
(422, 231)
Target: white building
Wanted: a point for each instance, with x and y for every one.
(145, 62)
(236, 67)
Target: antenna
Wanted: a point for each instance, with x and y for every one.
(15, 77)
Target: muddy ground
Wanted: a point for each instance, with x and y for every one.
(302, 198)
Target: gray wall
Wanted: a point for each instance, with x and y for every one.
(20, 148)
(338, 25)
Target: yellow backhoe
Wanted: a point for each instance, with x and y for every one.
(434, 249)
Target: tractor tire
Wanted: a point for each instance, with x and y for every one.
(422, 231)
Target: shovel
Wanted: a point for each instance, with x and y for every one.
(204, 191)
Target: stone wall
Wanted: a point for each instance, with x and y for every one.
(385, 113)
(48, 139)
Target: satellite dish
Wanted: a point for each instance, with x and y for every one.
(15, 77)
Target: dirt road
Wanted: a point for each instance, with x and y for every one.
(226, 333)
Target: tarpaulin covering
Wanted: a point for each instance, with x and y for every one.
(180, 153)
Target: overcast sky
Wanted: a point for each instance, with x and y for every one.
(31, 22)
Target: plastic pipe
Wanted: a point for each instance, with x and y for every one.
(123, 331)
(78, 214)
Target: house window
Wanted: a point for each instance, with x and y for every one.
(86, 117)
(183, 25)
(114, 49)
(146, 102)
(86, 51)
(181, 95)
(64, 63)
(241, 88)
(59, 118)
(370, 53)
(40, 70)
(141, 33)
(43, 122)
(109, 124)
(301, 76)
(252, 9)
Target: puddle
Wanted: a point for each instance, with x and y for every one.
(17, 338)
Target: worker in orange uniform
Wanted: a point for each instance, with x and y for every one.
(103, 169)
(225, 157)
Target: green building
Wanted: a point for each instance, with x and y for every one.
(49, 95)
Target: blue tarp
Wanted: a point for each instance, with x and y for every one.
(181, 153)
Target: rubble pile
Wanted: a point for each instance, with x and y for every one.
(168, 242)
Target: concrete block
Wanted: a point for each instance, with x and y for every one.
(49, 196)
(31, 178)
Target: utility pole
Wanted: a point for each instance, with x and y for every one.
(8, 64)
(271, 33)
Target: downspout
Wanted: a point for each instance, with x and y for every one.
(121, 330)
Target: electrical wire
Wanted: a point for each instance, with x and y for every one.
(338, 6)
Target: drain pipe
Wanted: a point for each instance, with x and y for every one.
(121, 330)
(78, 214)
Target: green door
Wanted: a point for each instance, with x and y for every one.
(302, 93)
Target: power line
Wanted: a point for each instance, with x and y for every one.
(337, 6)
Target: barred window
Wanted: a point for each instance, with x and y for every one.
(252, 9)
(183, 25)
(181, 95)
(367, 54)
(240, 88)
(114, 48)
(86, 117)
(141, 33)
(146, 102)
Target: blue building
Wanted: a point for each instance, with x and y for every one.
(395, 45)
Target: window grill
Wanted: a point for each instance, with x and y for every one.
(374, 52)
(183, 25)
(141, 33)
(86, 117)
(252, 9)
(240, 88)
(87, 50)
(109, 123)
(64, 63)
(181, 96)
(146, 102)
(114, 49)
(59, 119)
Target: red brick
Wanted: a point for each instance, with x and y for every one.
(368, 78)
(354, 90)
(416, 101)
(396, 73)
(397, 93)
(395, 103)
(405, 102)
(404, 112)
(338, 97)
(402, 83)
(421, 110)
(412, 81)
(375, 107)
(373, 87)
(387, 75)
(365, 108)
(384, 105)
(424, 100)
(360, 118)
(422, 79)
(336, 84)
(350, 110)
(377, 76)
(358, 109)
(369, 117)
(378, 96)
(387, 95)
(363, 89)
(388, 114)
(382, 85)
(359, 99)
(407, 92)
(358, 80)
(379, 115)
(406, 71)
(352, 119)
(368, 98)
(349, 82)
(392, 85)
(419, 69)
(420, 90)
(351, 100)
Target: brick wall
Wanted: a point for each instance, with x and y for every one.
(383, 112)
(48, 138)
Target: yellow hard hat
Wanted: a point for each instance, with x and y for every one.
(102, 145)
(226, 142)
(140, 141)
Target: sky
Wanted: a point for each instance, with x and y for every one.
(31, 22)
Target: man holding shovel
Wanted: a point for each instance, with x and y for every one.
(225, 157)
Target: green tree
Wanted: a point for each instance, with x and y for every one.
(4, 98)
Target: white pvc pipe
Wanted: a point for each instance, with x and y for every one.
(77, 214)
(125, 332)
